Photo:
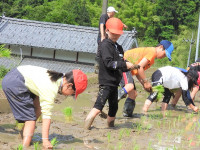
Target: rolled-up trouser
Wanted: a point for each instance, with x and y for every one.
(107, 93)
(19, 96)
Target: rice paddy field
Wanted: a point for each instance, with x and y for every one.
(175, 129)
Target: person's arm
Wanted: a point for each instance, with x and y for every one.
(103, 34)
(125, 26)
(45, 133)
(141, 75)
(188, 102)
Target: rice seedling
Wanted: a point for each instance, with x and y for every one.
(174, 147)
(119, 146)
(174, 122)
(135, 146)
(108, 136)
(158, 124)
(39, 119)
(36, 146)
(19, 126)
(149, 146)
(160, 89)
(20, 147)
(155, 116)
(159, 136)
(54, 142)
(68, 113)
(128, 132)
(138, 127)
(179, 118)
(169, 133)
(121, 132)
(170, 125)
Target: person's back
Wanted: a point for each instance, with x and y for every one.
(173, 78)
(137, 54)
(107, 74)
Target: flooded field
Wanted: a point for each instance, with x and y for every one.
(178, 130)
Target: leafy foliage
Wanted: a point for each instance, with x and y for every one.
(4, 52)
(3, 71)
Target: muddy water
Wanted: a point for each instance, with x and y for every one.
(177, 130)
(4, 107)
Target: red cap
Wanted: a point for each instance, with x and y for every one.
(114, 25)
(80, 81)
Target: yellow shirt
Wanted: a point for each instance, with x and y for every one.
(37, 80)
(137, 54)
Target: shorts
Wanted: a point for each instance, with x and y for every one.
(109, 93)
(19, 96)
(157, 80)
(127, 78)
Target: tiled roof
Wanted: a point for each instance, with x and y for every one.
(10, 63)
(59, 66)
(54, 35)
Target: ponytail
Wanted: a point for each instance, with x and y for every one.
(191, 79)
(54, 76)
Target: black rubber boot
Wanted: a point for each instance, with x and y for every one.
(129, 106)
(121, 94)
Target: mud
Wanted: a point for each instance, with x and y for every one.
(179, 129)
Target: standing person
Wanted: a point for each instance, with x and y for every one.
(102, 31)
(144, 57)
(102, 23)
(172, 78)
(111, 66)
(31, 91)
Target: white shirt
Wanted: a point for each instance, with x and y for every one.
(173, 78)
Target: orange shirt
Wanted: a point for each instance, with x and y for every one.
(137, 54)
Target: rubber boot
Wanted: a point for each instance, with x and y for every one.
(121, 94)
(129, 106)
(88, 123)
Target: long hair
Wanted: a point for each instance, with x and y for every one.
(190, 79)
(54, 76)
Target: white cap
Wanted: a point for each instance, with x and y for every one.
(111, 9)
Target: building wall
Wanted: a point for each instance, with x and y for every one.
(86, 57)
(65, 55)
(49, 53)
(43, 52)
(16, 50)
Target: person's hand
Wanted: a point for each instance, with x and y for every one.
(129, 65)
(47, 145)
(147, 86)
(196, 109)
(125, 26)
(135, 67)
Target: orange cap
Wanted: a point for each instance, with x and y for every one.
(114, 25)
(80, 81)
